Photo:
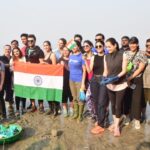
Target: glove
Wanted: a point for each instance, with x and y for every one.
(82, 96)
(103, 80)
(109, 80)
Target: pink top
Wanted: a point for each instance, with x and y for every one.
(23, 50)
(90, 75)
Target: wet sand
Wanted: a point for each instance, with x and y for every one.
(38, 128)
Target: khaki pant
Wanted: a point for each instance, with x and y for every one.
(147, 94)
(75, 90)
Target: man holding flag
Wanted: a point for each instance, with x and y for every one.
(34, 54)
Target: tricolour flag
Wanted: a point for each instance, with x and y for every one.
(71, 44)
(38, 81)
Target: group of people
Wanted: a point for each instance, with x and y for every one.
(108, 75)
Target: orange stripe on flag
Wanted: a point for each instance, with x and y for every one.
(41, 69)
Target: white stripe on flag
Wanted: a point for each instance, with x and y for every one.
(36, 80)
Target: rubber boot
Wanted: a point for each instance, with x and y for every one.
(76, 111)
(81, 109)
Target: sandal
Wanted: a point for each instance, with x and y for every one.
(97, 130)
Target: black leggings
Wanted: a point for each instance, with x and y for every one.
(99, 97)
(18, 99)
(116, 98)
(137, 98)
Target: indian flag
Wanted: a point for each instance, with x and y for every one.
(71, 44)
(38, 81)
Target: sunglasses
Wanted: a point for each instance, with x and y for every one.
(86, 46)
(30, 41)
(147, 45)
(98, 46)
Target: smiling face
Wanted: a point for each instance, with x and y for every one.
(87, 47)
(14, 45)
(75, 49)
(99, 47)
(16, 53)
(31, 42)
(24, 40)
(66, 52)
(7, 50)
(61, 44)
(133, 47)
(46, 47)
(111, 48)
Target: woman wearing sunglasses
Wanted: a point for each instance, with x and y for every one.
(98, 92)
(88, 45)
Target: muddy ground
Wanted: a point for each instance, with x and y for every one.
(37, 135)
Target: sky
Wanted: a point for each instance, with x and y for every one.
(53, 19)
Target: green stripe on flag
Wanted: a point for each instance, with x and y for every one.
(38, 93)
(72, 45)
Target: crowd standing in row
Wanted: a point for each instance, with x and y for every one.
(109, 75)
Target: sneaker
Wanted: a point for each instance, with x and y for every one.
(65, 113)
(126, 121)
(71, 112)
(137, 124)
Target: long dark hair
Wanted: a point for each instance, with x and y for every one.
(20, 53)
(49, 43)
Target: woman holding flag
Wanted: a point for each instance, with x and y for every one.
(17, 57)
(50, 58)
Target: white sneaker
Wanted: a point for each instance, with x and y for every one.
(126, 121)
(137, 124)
(71, 112)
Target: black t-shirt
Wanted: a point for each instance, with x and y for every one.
(98, 67)
(34, 54)
(114, 64)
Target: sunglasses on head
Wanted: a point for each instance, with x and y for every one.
(30, 41)
(147, 45)
(98, 46)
